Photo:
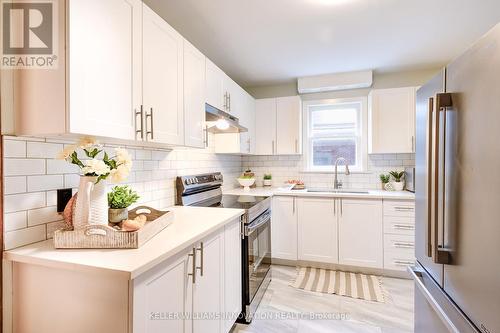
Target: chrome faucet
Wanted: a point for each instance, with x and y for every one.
(338, 183)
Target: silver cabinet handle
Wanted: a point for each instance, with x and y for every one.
(404, 209)
(151, 120)
(296, 146)
(413, 143)
(403, 245)
(335, 207)
(229, 101)
(403, 227)
(249, 145)
(403, 262)
(294, 205)
(225, 101)
(428, 244)
(193, 274)
(272, 145)
(205, 142)
(341, 207)
(141, 130)
(201, 259)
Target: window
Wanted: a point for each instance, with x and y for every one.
(335, 128)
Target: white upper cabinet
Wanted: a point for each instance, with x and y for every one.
(391, 117)
(278, 126)
(317, 229)
(288, 125)
(104, 66)
(247, 139)
(214, 85)
(194, 96)
(163, 54)
(360, 232)
(265, 124)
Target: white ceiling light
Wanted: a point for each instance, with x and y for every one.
(222, 124)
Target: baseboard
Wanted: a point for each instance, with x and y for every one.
(354, 269)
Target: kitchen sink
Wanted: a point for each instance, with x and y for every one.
(317, 190)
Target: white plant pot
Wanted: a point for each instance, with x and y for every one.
(91, 203)
(246, 183)
(398, 186)
(267, 182)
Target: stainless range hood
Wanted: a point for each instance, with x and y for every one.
(212, 115)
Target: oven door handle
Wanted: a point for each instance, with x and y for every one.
(265, 218)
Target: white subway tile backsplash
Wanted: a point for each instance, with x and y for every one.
(14, 148)
(59, 166)
(32, 174)
(43, 215)
(23, 167)
(26, 201)
(43, 149)
(45, 183)
(15, 221)
(25, 236)
(13, 185)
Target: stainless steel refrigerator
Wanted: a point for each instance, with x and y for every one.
(457, 190)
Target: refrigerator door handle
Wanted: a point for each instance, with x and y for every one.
(417, 277)
(428, 244)
(439, 255)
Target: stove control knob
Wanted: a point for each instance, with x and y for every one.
(196, 180)
(187, 181)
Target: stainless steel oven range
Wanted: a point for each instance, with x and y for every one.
(205, 190)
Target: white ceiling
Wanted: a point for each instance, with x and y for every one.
(260, 42)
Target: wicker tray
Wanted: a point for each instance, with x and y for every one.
(106, 237)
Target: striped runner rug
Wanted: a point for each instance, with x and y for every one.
(355, 285)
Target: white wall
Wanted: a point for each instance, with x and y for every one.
(32, 175)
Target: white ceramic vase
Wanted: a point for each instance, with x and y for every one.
(91, 206)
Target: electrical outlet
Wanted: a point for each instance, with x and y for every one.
(63, 196)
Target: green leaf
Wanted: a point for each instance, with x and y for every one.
(122, 197)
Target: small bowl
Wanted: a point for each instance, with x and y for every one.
(246, 183)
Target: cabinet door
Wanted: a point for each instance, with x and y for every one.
(165, 289)
(288, 125)
(248, 138)
(214, 85)
(104, 67)
(317, 229)
(284, 228)
(208, 290)
(163, 94)
(391, 118)
(194, 96)
(232, 273)
(265, 125)
(360, 233)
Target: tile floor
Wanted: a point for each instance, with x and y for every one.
(282, 306)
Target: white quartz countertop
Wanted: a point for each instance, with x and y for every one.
(190, 225)
(375, 194)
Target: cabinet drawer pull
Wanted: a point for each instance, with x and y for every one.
(150, 116)
(403, 262)
(403, 227)
(402, 245)
(404, 209)
(193, 274)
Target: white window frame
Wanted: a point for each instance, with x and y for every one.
(362, 152)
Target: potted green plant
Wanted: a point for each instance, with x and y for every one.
(384, 178)
(119, 199)
(268, 180)
(398, 183)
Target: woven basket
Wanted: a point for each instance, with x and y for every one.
(106, 237)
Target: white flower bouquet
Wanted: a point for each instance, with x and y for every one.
(116, 167)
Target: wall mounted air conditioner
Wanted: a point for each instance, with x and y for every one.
(333, 82)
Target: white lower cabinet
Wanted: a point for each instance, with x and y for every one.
(360, 233)
(284, 228)
(317, 229)
(208, 287)
(169, 298)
